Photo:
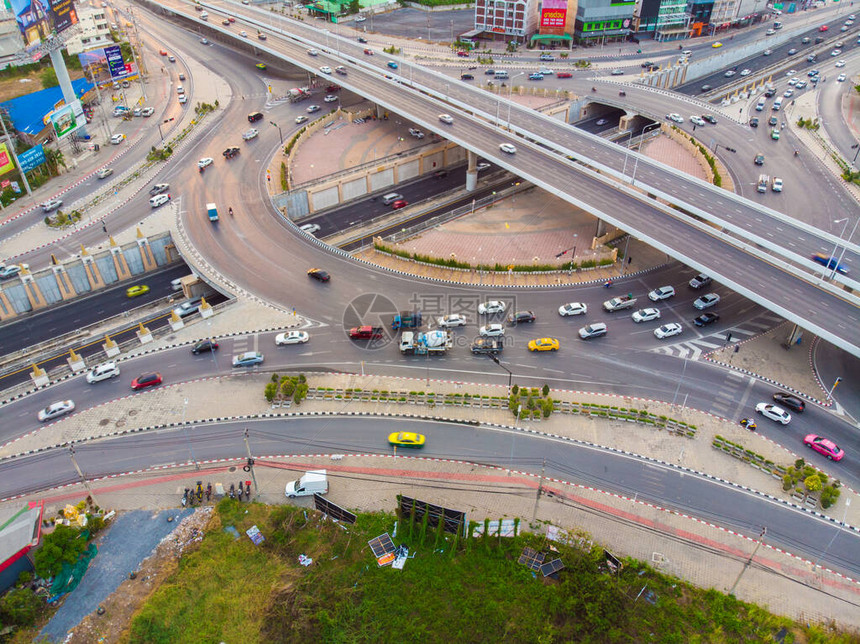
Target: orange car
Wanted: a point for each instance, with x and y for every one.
(162, 52)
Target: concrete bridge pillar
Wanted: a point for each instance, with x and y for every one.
(471, 170)
(122, 271)
(149, 263)
(34, 293)
(93, 275)
(67, 291)
(624, 121)
(7, 312)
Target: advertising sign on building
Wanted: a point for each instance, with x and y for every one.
(6, 163)
(68, 119)
(38, 19)
(105, 64)
(552, 17)
(32, 158)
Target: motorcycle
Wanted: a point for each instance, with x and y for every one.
(185, 498)
(199, 491)
(593, 89)
(230, 210)
(240, 491)
(607, 284)
(248, 489)
(208, 491)
(622, 93)
(749, 424)
(232, 490)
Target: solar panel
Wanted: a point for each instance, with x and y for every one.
(531, 558)
(334, 511)
(551, 567)
(382, 545)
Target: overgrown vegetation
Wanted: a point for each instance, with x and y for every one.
(454, 589)
(712, 162)
(159, 154)
(286, 388)
(284, 183)
(62, 219)
(453, 262)
(808, 124)
(530, 402)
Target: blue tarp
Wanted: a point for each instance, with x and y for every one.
(27, 111)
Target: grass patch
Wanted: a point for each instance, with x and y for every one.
(453, 590)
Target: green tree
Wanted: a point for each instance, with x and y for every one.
(19, 607)
(49, 78)
(63, 545)
(354, 6)
(812, 483)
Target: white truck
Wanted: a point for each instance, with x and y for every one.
(432, 342)
(618, 303)
(313, 482)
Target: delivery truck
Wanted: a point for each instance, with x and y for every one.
(313, 482)
(212, 211)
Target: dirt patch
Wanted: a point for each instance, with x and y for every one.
(122, 605)
(14, 87)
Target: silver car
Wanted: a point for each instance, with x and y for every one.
(706, 301)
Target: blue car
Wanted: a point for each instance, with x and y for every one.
(830, 262)
(392, 64)
(536, 76)
(248, 359)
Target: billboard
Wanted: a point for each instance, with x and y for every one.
(32, 158)
(553, 15)
(68, 119)
(38, 19)
(6, 163)
(106, 64)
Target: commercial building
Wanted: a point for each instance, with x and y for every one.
(603, 20)
(93, 30)
(508, 20)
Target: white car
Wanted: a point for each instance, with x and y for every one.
(768, 52)
(677, 118)
(776, 186)
(706, 301)
(104, 173)
(746, 72)
(793, 81)
(841, 78)
(493, 306)
(668, 330)
(418, 134)
(492, 330)
(205, 161)
(646, 315)
(592, 330)
(446, 118)
(330, 98)
(360, 19)
(482, 166)
(116, 139)
(508, 148)
(835, 52)
(301, 119)
(546, 72)
(697, 120)
(56, 410)
(147, 111)
(788, 93)
(313, 52)
(730, 73)
(243, 33)
(292, 337)
(774, 412)
(601, 122)
(250, 134)
(573, 308)
(661, 293)
(310, 229)
(312, 108)
(455, 319)
(840, 63)
(325, 69)
(183, 99)
(103, 372)
(159, 200)
(49, 206)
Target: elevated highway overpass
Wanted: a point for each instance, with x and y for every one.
(758, 252)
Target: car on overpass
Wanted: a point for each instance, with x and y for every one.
(508, 148)
(829, 262)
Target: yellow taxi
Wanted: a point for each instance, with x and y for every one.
(134, 291)
(406, 439)
(717, 45)
(544, 344)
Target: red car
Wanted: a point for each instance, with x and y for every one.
(463, 54)
(162, 52)
(400, 203)
(231, 19)
(564, 75)
(823, 28)
(332, 88)
(146, 380)
(824, 446)
(368, 52)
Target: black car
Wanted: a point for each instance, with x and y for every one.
(521, 317)
(319, 275)
(759, 159)
(467, 77)
(706, 88)
(792, 402)
(705, 319)
(203, 346)
(769, 92)
(486, 345)
(710, 118)
(772, 121)
(754, 121)
(229, 153)
(362, 40)
(647, 64)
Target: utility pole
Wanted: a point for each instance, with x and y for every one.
(81, 474)
(250, 466)
(540, 487)
(749, 561)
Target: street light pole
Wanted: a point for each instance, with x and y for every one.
(832, 258)
(510, 98)
(279, 131)
(845, 247)
(636, 164)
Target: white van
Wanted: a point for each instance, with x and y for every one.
(313, 482)
(501, 73)
(760, 106)
(391, 197)
(159, 200)
(204, 16)
(777, 104)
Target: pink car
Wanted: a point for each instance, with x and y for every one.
(824, 446)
